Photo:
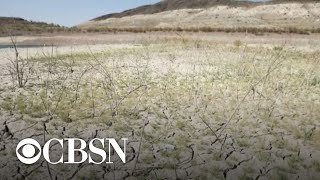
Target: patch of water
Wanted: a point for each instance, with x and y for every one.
(19, 46)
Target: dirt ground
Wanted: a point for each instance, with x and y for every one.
(193, 105)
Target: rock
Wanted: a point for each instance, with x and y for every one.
(168, 147)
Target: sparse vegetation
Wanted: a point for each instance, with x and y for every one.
(252, 30)
(19, 68)
(182, 103)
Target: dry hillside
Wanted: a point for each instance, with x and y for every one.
(19, 26)
(175, 14)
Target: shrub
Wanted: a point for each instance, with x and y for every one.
(237, 43)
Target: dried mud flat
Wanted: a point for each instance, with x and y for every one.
(192, 109)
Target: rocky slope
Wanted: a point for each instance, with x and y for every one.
(169, 5)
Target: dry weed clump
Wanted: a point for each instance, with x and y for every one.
(19, 68)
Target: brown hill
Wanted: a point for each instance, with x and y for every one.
(18, 26)
(294, 16)
(167, 5)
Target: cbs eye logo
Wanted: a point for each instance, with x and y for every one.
(28, 151)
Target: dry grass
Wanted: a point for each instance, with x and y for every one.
(253, 30)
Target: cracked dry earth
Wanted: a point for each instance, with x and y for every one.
(191, 110)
